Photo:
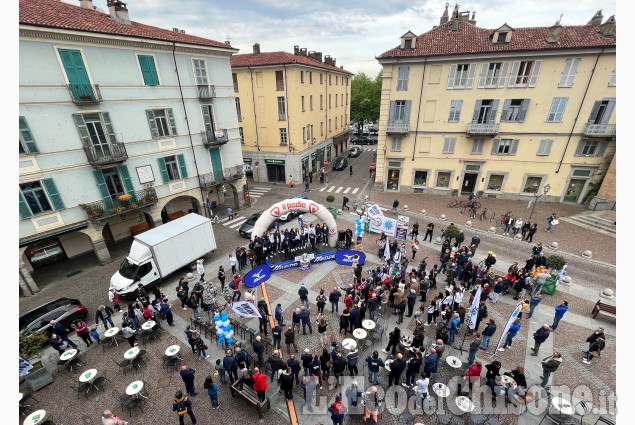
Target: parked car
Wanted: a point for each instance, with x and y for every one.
(363, 141)
(290, 215)
(354, 152)
(340, 163)
(65, 310)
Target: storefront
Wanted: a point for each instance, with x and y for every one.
(275, 170)
(305, 166)
(249, 171)
(394, 174)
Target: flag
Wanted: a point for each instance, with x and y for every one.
(245, 309)
(387, 250)
(511, 320)
(473, 313)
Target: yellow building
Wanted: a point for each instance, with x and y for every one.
(293, 112)
(506, 113)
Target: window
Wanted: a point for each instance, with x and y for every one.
(544, 148)
(311, 102)
(461, 76)
(485, 111)
(330, 79)
(208, 118)
(329, 99)
(330, 125)
(172, 168)
(602, 110)
(532, 184)
(514, 110)
(26, 142)
(556, 111)
(569, 72)
(613, 80)
(407, 43)
(310, 77)
(39, 197)
(96, 132)
(200, 72)
(238, 112)
(303, 134)
(342, 99)
(504, 146)
(321, 102)
(113, 182)
(591, 148)
(396, 143)
(477, 146)
(282, 111)
(443, 179)
(524, 73)
(346, 81)
(302, 101)
(346, 99)
(321, 78)
(455, 110)
(148, 70)
(336, 126)
(402, 78)
(242, 135)
(235, 79)
(502, 37)
(421, 177)
(493, 75)
(321, 128)
(161, 122)
(448, 145)
(495, 182)
(283, 136)
(400, 111)
(302, 77)
(336, 100)
(279, 81)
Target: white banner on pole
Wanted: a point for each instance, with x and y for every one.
(473, 313)
(245, 309)
(374, 211)
(380, 224)
(511, 320)
(387, 250)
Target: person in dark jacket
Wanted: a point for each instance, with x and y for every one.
(276, 334)
(296, 318)
(315, 369)
(230, 365)
(275, 363)
(493, 370)
(430, 362)
(599, 333)
(286, 383)
(339, 366)
(396, 369)
(540, 336)
(487, 333)
(519, 376)
(356, 318)
(511, 333)
(334, 298)
(594, 350)
(103, 313)
(411, 300)
(373, 303)
(183, 403)
(549, 365)
(295, 368)
(345, 321)
(187, 375)
(393, 341)
(60, 329)
(259, 349)
(351, 360)
(306, 359)
(413, 366)
(305, 317)
(374, 364)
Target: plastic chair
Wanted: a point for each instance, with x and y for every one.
(123, 365)
(123, 399)
(605, 421)
(581, 409)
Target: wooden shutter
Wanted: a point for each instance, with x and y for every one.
(207, 119)
(53, 194)
(495, 143)
(27, 136)
(594, 112)
(407, 111)
(514, 74)
(451, 76)
(534, 73)
(608, 111)
(601, 148)
(572, 72)
(148, 70)
(483, 76)
(103, 189)
(524, 106)
(164, 170)
(492, 115)
(581, 144)
(477, 109)
(82, 129)
(110, 131)
(171, 120)
(25, 211)
(154, 131)
(544, 149)
(506, 106)
(127, 181)
(391, 113)
(182, 168)
(514, 147)
(502, 79)
(470, 76)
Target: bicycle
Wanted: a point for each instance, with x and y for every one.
(455, 203)
(493, 217)
(215, 219)
(502, 222)
(483, 214)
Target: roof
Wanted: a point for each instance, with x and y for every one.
(280, 58)
(57, 14)
(470, 39)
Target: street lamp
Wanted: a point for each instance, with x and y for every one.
(537, 196)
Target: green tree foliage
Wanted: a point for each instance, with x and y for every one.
(451, 232)
(365, 98)
(556, 262)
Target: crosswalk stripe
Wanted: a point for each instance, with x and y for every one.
(237, 224)
(331, 189)
(266, 189)
(238, 220)
(347, 190)
(254, 196)
(339, 189)
(354, 191)
(323, 189)
(257, 192)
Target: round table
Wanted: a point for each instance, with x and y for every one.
(454, 362)
(88, 376)
(68, 354)
(562, 406)
(172, 350)
(35, 417)
(349, 344)
(406, 343)
(131, 354)
(21, 396)
(111, 332)
(360, 333)
(148, 325)
(465, 404)
(134, 388)
(368, 324)
(441, 389)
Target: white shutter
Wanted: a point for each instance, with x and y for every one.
(544, 149)
(534, 73)
(573, 72)
(565, 73)
(451, 76)
(503, 75)
(483, 76)
(470, 76)
(514, 74)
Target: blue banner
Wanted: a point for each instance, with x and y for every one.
(290, 264)
(344, 257)
(257, 276)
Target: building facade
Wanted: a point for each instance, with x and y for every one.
(503, 113)
(123, 126)
(293, 111)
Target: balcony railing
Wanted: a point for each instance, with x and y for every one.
(397, 127)
(110, 153)
(214, 138)
(229, 174)
(104, 209)
(483, 128)
(599, 130)
(206, 91)
(209, 180)
(83, 94)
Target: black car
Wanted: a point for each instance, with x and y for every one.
(363, 141)
(65, 310)
(340, 164)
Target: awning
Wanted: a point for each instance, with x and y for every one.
(54, 232)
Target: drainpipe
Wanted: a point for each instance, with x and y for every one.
(253, 101)
(187, 123)
(287, 109)
(579, 109)
(414, 148)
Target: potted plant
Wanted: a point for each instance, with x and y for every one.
(451, 231)
(555, 264)
(31, 348)
(330, 199)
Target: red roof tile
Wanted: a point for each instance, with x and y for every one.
(280, 58)
(57, 14)
(441, 41)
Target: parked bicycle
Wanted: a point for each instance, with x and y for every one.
(483, 215)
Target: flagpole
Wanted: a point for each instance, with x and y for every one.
(471, 324)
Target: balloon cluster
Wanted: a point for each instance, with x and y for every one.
(360, 223)
(223, 328)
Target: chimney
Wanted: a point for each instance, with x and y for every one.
(316, 56)
(296, 50)
(86, 4)
(596, 19)
(119, 11)
(257, 49)
(327, 60)
(303, 52)
(333, 61)
(445, 17)
(454, 25)
(607, 29)
(554, 32)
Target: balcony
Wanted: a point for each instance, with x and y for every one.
(599, 130)
(214, 138)
(229, 174)
(397, 127)
(483, 129)
(102, 210)
(85, 94)
(111, 153)
(234, 173)
(209, 180)
(206, 92)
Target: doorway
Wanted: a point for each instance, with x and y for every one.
(574, 190)
(275, 173)
(469, 183)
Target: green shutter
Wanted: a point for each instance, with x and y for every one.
(103, 189)
(26, 137)
(127, 181)
(82, 129)
(105, 116)
(53, 194)
(25, 211)
(154, 131)
(171, 121)
(207, 119)
(182, 169)
(164, 170)
(148, 70)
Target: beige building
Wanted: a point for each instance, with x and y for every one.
(506, 112)
(293, 112)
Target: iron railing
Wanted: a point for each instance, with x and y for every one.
(482, 128)
(397, 127)
(214, 138)
(103, 209)
(106, 154)
(83, 94)
(206, 91)
(210, 179)
(599, 130)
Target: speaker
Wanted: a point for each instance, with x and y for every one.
(341, 235)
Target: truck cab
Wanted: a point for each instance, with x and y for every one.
(138, 267)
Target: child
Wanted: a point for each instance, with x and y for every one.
(95, 335)
(221, 371)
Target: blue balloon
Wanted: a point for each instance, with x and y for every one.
(217, 317)
(230, 340)
(221, 339)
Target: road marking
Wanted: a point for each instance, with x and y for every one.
(323, 189)
(252, 195)
(266, 189)
(331, 189)
(339, 189)
(236, 220)
(237, 224)
(347, 190)
(354, 191)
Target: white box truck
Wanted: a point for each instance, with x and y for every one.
(156, 253)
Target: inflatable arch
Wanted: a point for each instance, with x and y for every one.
(302, 205)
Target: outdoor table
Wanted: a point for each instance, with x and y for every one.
(454, 362)
(360, 333)
(112, 333)
(35, 418)
(172, 350)
(441, 389)
(134, 389)
(465, 404)
(368, 324)
(406, 342)
(88, 376)
(507, 379)
(349, 344)
(148, 325)
(131, 354)
(68, 354)
(562, 406)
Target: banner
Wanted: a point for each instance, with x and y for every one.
(344, 257)
(511, 321)
(380, 224)
(473, 312)
(24, 367)
(387, 251)
(257, 276)
(402, 227)
(245, 309)
(374, 211)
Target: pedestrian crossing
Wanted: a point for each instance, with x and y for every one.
(235, 223)
(338, 189)
(370, 149)
(257, 192)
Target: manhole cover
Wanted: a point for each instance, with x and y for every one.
(164, 382)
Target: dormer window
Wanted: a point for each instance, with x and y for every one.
(502, 37)
(407, 44)
(408, 41)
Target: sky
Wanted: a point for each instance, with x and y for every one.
(353, 32)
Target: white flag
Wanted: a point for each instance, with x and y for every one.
(245, 309)
(473, 313)
(511, 320)
(387, 250)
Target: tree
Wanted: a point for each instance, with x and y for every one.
(451, 232)
(365, 98)
(556, 262)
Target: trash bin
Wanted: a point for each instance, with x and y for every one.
(549, 287)
(333, 212)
